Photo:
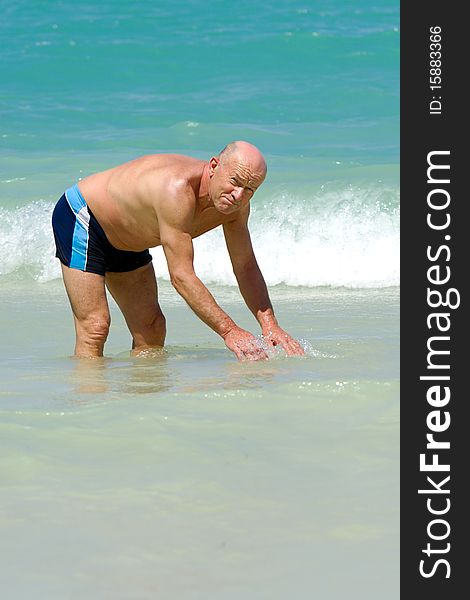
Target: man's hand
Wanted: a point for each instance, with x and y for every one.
(275, 336)
(244, 345)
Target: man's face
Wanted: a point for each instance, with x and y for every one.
(233, 183)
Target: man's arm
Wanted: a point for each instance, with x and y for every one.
(178, 247)
(252, 285)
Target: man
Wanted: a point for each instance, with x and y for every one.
(104, 226)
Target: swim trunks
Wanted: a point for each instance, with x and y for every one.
(81, 242)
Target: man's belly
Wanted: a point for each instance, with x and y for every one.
(124, 231)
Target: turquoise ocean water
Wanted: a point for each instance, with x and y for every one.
(193, 476)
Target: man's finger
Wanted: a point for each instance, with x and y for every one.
(296, 349)
(256, 353)
(292, 347)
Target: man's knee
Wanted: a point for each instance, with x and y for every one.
(94, 329)
(158, 328)
(153, 333)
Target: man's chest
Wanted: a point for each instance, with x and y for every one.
(208, 219)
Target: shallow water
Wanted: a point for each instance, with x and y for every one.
(191, 475)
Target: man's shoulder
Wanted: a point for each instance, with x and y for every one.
(169, 179)
(177, 189)
(175, 201)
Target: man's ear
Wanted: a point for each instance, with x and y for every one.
(213, 164)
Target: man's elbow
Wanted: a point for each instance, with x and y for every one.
(181, 280)
(176, 280)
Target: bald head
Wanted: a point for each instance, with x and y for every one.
(234, 176)
(245, 153)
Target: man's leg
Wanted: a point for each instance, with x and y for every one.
(136, 295)
(87, 295)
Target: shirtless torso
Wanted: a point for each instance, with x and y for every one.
(126, 199)
(167, 200)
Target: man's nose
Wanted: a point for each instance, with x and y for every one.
(237, 193)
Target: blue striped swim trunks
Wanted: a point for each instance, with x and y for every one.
(81, 242)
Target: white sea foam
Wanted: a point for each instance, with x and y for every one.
(339, 238)
(26, 242)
